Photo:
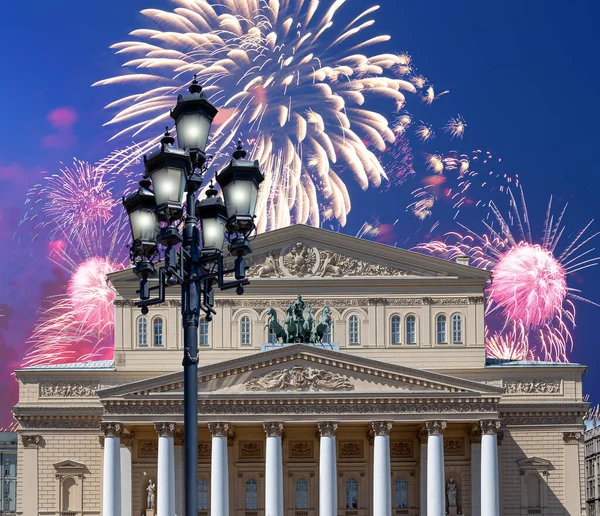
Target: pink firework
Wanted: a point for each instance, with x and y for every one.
(509, 345)
(530, 279)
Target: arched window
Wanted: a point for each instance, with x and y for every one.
(354, 330)
(245, 333)
(411, 329)
(533, 491)
(142, 331)
(457, 329)
(328, 335)
(69, 495)
(395, 323)
(203, 332)
(401, 493)
(351, 493)
(442, 337)
(301, 494)
(202, 495)
(251, 503)
(157, 331)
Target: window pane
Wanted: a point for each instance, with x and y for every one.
(251, 495)
(301, 494)
(351, 493)
(411, 330)
(245, 333)
(457, 328)
(354, 330)
(396, 329)
(202, 495)
(158, 331)
(142, 330)
(441, 329)
(203, 332)
(401, 493)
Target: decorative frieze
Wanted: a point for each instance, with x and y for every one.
(401, 449)
(351, 449)
(301, 449)
(572, 437)
(68, 390)
(489, 426)
(381, 428)
(533, 386)
(148, 449)
(31, 441)
(59, 423)
(251, 450)
(273, 429)
(111, 429)
(435, 427)
(219, 429)
(165, 429)
(204, 450)
(300, 378)
(541, 420)
(130, 303)
(327, 428)
(454, 447)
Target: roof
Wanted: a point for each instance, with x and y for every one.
(97, 365)
(505, 363)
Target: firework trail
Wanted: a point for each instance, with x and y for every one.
(296, 79)
(529, 287)
(508, 345)
(79, 323)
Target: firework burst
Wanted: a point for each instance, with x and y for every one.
(529, 287)
(294, 78)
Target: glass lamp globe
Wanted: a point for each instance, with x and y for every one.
(213, 220)
(141, 210)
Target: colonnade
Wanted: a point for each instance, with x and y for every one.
(433, 485)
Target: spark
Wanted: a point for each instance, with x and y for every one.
(456, 127)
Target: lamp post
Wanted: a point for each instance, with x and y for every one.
(154, 210)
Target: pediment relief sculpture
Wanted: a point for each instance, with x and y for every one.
(303, 261)
(300, 378)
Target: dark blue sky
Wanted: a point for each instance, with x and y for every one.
(523, 74)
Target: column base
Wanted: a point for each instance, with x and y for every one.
(149, 512)
(452, 511)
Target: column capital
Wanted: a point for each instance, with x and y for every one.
(489, 426)
(273, 429)
(165, 429)
(435, 427)
(231, 437)
(31, 441)
(127, 438)
(422, 434)
(327, 428)
(475, 433)
(112, 429)
(572, 437)
(381, 427)
(219, 429)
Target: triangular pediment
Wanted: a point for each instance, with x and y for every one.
(69, 466)
(301, 370)
(306, 252)
(534, 463)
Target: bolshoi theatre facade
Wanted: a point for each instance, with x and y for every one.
(397, 401)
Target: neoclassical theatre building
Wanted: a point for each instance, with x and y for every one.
(398, 401)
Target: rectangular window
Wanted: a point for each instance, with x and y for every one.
(395, 330)
(203, 333)
(441, 330)
(411, 330)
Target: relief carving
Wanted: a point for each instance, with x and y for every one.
(401, 449)
(454, 446)
(381, 428)
(31, 441)
(300, 378)
(532, 386)
(251, 449)
(67, 390)
(301, 449)
(351, 449)
(203, 450)
(572, 437)
(148, 449)
(435, 427)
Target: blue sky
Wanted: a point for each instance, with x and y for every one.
(523, 75)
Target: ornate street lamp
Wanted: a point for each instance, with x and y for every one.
(175, 175)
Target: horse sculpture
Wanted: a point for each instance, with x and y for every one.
(275, 326)
(324, 325)
(299, 325)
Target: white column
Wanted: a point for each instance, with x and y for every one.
(475, 437)
(111, 474)
(219, 479)
(126, 474)
(382, 473)
(436, 499)
(327, 469)
(273, 470)
(490, 489)
(179, 473)
(573, 476)
(165, 479)
(423, 436)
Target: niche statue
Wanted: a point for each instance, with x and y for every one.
(451, 492)
(299, 325)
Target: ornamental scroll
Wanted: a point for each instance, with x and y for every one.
(300, 378)
(524, 387)
(302, 261)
